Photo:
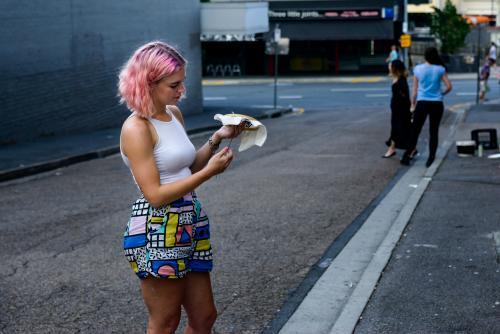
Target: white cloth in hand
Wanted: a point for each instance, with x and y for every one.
(255, 132)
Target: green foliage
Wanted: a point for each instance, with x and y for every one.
(450, 27)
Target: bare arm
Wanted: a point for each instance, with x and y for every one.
(137, 144)
(447, 84)
(414, 91)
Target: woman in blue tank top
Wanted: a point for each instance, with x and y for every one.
(427, 99)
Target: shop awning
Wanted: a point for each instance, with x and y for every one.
(234, 18)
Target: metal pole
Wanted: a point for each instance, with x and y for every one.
(405, 31)
(478, 61)
(275, 74)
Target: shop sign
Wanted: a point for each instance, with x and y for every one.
(325, 14)
(405, 40)
(282, 46)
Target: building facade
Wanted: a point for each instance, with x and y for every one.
(60, 61)
(485, 12)
(326, 38)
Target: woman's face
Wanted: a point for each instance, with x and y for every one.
(169, 90)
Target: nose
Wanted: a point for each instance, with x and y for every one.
(182, 88)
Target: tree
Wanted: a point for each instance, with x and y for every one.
(450, 27)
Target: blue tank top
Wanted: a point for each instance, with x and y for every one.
(429, 82)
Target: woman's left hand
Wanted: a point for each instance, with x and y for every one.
(230, 131)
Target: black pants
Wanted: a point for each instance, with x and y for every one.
(435, 111)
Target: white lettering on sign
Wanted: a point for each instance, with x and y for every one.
(310, 14)
(369, 13)
(299, 14)
(272, 13)
(349, 13)
(331, 14)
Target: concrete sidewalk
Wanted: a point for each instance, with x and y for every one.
(444, 275)
(426, 259)
(44, 154)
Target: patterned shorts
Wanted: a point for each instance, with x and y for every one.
(170, 241)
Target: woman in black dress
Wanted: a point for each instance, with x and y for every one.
(400, 110)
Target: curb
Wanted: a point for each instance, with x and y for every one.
(296, 296)
(304, 80)
(360, 297)
(16, 173)
(353, 308)
(234, 81)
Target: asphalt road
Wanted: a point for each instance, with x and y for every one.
(327, 95)
(273, 214)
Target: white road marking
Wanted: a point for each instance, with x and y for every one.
(290, 97)
(215, 98)
(282, 84)
(377, 95)
(262, 106)
(465, 94)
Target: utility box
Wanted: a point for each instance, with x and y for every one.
(234, 18)
(485, 137)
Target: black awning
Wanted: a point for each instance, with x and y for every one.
(339, 30)
(335, 4)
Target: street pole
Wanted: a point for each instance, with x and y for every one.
(277, 36)
(275, 74)
(478, 61)
(405, 31)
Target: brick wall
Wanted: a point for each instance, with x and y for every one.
(59, 60)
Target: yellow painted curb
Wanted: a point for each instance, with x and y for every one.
(367, 80)
(213, 82)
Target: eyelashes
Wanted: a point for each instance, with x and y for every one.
(177, 85)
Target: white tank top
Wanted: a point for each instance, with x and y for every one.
(174, 153)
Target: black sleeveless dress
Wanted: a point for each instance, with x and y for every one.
(400, 114)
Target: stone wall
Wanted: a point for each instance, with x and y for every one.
(59, 60)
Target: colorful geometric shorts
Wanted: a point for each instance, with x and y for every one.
(170, 241)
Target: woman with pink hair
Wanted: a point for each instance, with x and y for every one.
(167, 239)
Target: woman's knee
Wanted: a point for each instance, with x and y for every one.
(203, 321)
(163, 324)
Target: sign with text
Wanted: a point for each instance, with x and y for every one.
(325, 14)
(283, 47)
(405, 40)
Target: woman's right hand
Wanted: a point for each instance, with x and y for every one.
(220, 161)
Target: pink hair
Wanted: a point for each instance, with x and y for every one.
(149, 64)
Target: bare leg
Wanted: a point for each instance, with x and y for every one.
(391, 150)
(163, 299)
(199, 303)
